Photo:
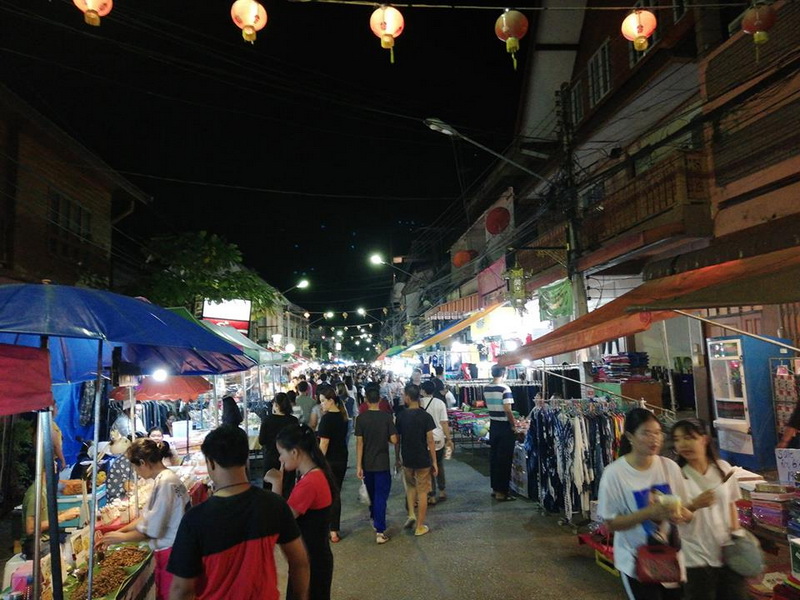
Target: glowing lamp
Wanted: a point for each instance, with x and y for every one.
(387, 23)
(759, 19)
(510, 28)
(462, 257)
(497, 220)
(94, 9)
(160, 375)
(637, 27)
(250, 17)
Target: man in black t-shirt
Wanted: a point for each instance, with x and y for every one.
(225, 546)
(374, 432)
(415, 427)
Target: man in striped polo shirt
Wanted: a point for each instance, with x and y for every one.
(502, 432)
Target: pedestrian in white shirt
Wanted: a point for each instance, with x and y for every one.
(442, 438)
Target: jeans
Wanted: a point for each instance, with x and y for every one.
(379, 484)
(439, 479)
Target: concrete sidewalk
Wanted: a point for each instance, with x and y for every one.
(477, 549)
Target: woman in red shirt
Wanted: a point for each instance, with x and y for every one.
(310, 501)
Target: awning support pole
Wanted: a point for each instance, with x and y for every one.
(665, 340)
(98, 394)
(737, 330)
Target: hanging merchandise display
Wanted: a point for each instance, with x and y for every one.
(517, 293)
(638, 27)
(510, 28)
(387, 23)
(94, 9)
(555, 300)
(250, 17)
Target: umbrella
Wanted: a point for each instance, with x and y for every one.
(174, 388)
(81, 323)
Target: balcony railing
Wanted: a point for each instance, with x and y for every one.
(677, 181)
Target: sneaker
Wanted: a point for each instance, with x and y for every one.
(410, 522)
(381, 538)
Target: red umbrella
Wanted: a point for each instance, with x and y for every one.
(174, 388)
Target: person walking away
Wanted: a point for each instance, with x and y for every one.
(305, 401)
(349, 403)
(159, 520)
(231, 414)
(418, 455)
(281, 417)
(631, 489)
(332, 433)
(225, 547)
(374, 431)
(502, 432)
(711, 497)
(310, 501)
(441, 437)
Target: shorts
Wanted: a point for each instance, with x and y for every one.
(420, 479)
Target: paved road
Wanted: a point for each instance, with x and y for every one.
(478, 549)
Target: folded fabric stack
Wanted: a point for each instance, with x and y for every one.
(784, 591)
(771, 506)
(794, 515)
(744, 510)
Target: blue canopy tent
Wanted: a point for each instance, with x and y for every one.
(81, 327)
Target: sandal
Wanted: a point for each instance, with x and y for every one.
(505, 498)
(335, 539)
(432, 500)
(425, 529)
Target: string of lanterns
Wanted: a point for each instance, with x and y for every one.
(387, 22)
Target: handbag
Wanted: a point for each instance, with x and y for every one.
(743, 554)
(657, 562)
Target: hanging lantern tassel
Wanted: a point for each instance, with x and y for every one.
(94, 9)
(511, 27)
(759, 19)
(387, 23)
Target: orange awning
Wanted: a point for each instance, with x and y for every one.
(454, 309)
(770, 278)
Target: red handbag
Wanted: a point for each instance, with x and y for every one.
(658, 563)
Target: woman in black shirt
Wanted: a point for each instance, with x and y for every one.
(332, 433)
(270, 427)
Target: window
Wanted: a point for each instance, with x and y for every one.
(69, 226)
(576, 103)
(599, 70)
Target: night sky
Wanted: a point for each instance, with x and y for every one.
(315, 138)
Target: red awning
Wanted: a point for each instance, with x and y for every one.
(24, 379)
(455, 309)
(765, 279)
(174, 388)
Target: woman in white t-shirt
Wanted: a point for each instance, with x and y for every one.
(633, 501)
(712, 500)
(159, 520)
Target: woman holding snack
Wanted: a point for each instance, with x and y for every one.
(159, 520)
(639, 500)
(711, 491)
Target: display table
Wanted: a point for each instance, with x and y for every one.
(142, 586)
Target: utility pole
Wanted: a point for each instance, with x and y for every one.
(573, 211)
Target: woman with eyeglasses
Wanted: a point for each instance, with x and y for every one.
(639, 502)
(711, 492)
(159, 520)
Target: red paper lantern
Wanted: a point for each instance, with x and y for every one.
(462, 257)
(511, 27)
(637, 27)
(759, 19)
(94, 9)
(387, 23)
(497, 220)
(250, 17)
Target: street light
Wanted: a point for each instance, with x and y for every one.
(300, 285)
(361, 312)
(440, 126)
(377, 259)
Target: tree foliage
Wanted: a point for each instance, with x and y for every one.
(197, 265)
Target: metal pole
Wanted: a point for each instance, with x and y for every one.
(132, 400)
(37, 529)
(244, 415)
(216, 401)
(52, 505)
(98, 389)
(737, 330)
(665, 341)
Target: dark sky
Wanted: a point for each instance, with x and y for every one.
(168, 90)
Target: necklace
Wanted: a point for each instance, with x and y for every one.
(224, 487)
